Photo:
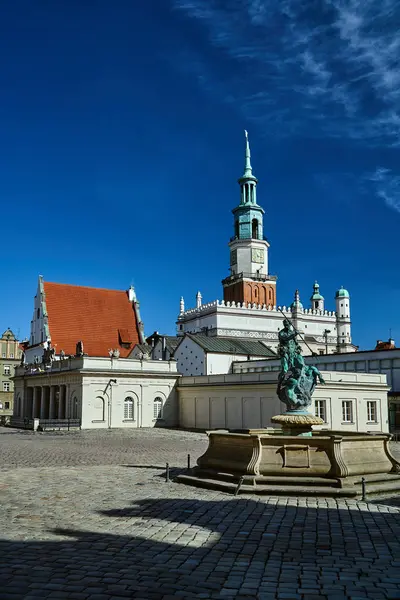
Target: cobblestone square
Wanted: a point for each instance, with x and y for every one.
(89, 515)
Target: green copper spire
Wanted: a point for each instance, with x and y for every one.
(247, 164)
(248, 215)
(248, 171)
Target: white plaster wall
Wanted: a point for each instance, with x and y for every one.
(37, 331)
(238, 402)
(101, 405)
(221, 363)
(190, 358)
(244, 252)
(143, 391)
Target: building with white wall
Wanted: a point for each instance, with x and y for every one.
(162, 347)
(98, 392)
(347, 401)
(249, 308)
(202, 355)
(385, 362)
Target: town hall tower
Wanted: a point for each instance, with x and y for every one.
(249, 280)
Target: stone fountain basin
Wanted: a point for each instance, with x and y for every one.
(325, 463)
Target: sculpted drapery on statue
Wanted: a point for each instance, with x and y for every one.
(296, 380)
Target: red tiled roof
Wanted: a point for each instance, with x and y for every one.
(95, 316)
(385, 345)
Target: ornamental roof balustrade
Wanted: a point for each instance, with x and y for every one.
(221, 304)
(254, 276)
(98, 364)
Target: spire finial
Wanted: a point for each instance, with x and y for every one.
(247, 165)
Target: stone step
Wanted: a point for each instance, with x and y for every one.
(267, 479)
(272, 490)
(380, 488)
(377, 477)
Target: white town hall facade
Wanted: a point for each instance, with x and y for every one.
(249, 307)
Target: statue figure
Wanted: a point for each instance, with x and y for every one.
(48, 355)
(287, 345)
(296, 381)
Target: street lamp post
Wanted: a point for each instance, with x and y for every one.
(326, 331)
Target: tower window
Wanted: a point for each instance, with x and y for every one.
(317, 304)
(237, 229)
(254, 229)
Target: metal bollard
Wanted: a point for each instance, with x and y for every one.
(363, 489)
(239, 485)
(188, 462)
(167, 473)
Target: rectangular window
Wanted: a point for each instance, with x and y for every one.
(371, 411)
(11, 355)
(320, 409)
(347, 411)
(7, 405)
(7, 369)
(158, 408)
(6, 386)
(3, 355)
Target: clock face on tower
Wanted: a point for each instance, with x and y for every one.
(257, 255)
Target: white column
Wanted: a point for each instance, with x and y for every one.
(52, 401)
(43, 404)
(62, 402)
(36, 409)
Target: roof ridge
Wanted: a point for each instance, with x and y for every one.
(86, 287)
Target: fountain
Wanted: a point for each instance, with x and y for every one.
(294, 459)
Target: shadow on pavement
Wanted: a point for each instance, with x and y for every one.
(238, 548)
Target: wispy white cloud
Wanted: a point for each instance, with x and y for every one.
(387, 186)
(325, 69)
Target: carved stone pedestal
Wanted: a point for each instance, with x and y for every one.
(297, 423)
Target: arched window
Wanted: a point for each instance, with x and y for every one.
(129, 409)
(254, 229)
(158, 408)
(99, 409)
(237, 229)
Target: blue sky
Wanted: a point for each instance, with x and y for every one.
(122, 140)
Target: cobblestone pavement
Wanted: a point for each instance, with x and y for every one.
(20, 448)
(112, 532)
